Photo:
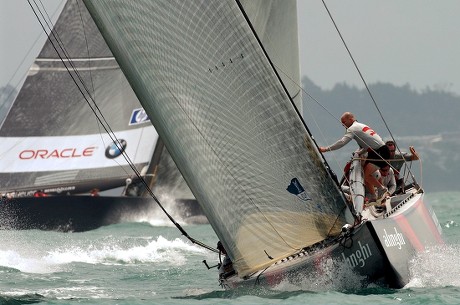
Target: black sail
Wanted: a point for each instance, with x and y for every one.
(51, 139)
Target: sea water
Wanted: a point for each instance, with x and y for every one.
(150, 262)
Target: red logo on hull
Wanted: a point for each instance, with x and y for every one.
(31, 154)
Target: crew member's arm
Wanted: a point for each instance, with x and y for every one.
(339, 144)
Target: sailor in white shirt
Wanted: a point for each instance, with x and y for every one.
(372, 144)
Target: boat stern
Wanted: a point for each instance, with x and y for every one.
(408, 229)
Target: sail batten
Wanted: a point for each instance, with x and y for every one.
(74, 59)
(228, 122)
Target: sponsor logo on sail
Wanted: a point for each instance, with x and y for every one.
(359, 257)
(138, 116)
(31, 154)
(393, 240)
(114, 150)
(297, 189)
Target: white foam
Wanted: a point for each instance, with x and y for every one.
(15, 260)
(330, 274)
(156, 216)
(172, 252)
(436, 267)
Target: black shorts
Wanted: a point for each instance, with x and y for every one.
(379, 156)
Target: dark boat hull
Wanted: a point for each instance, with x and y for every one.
(377, 251)
(81, 213)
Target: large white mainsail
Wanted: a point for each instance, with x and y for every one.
(275, 23)
(228, 122)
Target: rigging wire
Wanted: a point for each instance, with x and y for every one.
(281, 70)
(357, 68)
(81, 86)
(99, 115)
(89, 62)
(278, 71)
(364, 81)
(91, 76)
(82, 82)
(408, 168)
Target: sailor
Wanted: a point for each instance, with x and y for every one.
(372, 144)
(397, 160)
(226, 266)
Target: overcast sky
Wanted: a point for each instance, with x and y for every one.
(400, 42)
(21, 37)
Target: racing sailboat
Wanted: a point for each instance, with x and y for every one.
(218, 100)
(55, 152)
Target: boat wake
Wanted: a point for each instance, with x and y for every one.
(159, 251)
(183, 212)
(330, 275)
(436, 267)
